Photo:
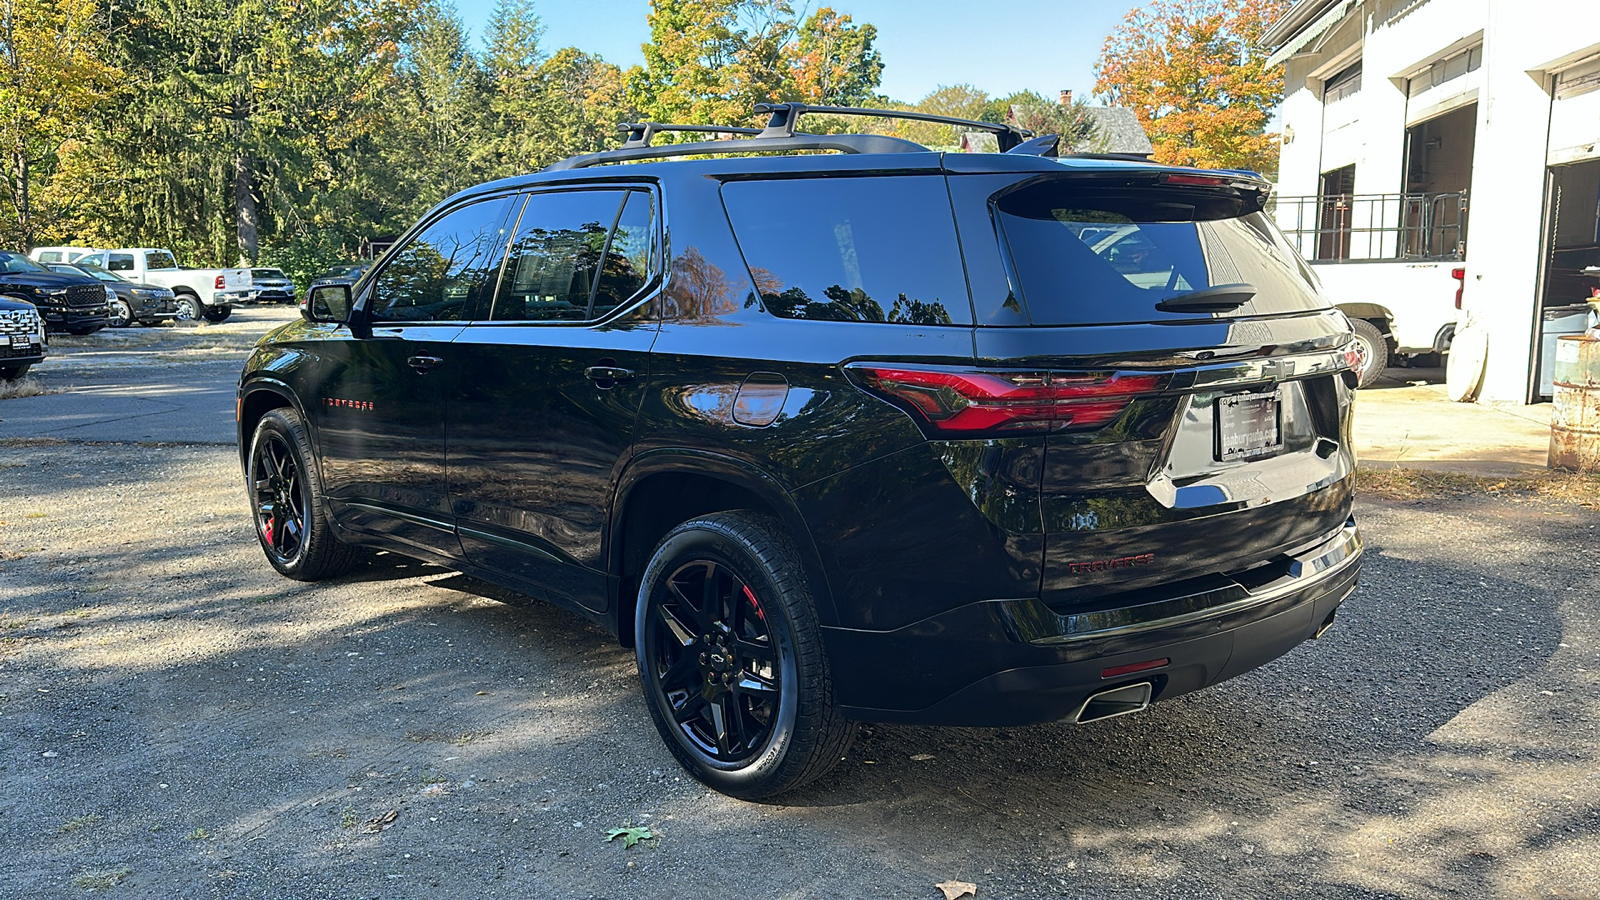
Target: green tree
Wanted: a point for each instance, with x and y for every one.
(1188, 69)
(1040, 115)
(53, 73)
(710, 61)
(832, 62)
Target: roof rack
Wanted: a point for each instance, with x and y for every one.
(783, 116)
(780, 135)
(641, 133)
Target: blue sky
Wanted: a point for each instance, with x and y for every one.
(1041, 45)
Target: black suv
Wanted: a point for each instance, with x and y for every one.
(880, 435)
(76, 304)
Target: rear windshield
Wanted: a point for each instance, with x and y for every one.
(866, 249)
(1095, 256)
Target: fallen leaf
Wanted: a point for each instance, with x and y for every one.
(922, 757)
(955, 890)
(630, 836)
(379, 823)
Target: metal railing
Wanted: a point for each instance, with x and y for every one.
(1375, 226)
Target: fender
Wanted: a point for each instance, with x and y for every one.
(258, 383)
(736, 472)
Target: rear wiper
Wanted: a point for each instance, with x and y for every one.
(1221, 298)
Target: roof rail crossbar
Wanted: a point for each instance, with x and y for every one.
(783, 116)
(641, 133)
(842, 143)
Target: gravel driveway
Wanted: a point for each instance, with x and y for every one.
(177, 720)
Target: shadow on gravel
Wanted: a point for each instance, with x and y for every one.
(246, 736)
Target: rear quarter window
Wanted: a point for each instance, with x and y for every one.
(867, 249)
(1086, 256)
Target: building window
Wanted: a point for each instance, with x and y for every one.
(1447, 69)
(1343, 84)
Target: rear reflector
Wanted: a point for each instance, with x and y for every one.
(1131, 668)
(1203, 180)
(1460, 275)
(975, 403)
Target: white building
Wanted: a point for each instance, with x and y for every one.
(1451, 129)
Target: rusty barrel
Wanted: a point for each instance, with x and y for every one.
(1575, 421)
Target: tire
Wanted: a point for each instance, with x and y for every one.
(1373, 349)
(14, 373)
(188, 308)
(119, 314)
(745, 702)
(215, 314)
(291, 515)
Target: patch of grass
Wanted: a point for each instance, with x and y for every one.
(434, 778)
(27, 386)
(101, 879)
(14, 623)
(458, 738)
(348, 818)
(78, 823)
(36, 515)
(1553, 487)
(199, 834)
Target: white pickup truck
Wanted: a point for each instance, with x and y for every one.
(208, 293)
(1398, 310)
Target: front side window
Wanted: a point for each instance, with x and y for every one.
(554, 259)
(871, 249)
(120, 262)
(441, 273)
(159, 259)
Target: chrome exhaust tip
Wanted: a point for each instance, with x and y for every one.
(1326, 624)
(1117, 701)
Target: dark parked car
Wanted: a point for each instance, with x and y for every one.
(348, 273)
(22, 339)
(142, 304)
(881, 435)
(72, 303)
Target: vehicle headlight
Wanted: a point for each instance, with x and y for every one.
(58, 292)
(110, 294)
(141, 292)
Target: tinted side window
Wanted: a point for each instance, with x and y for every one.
(873, 249)
(121, 262)
(551, 267)
(50, 256)
(630, 256)
(441, 272)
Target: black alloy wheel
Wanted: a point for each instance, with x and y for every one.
(280, 500)
(716, 661)
(292, 522)
(119, 314)
(731, 658)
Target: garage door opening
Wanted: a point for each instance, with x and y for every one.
(1571, 262)
(1438, 173)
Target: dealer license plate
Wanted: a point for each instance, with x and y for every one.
(22, 340)
(1249, 426)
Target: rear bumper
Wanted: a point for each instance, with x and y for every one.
(1017, 662)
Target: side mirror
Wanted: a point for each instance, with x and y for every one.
(327, 303)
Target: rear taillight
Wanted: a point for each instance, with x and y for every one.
(221, 282)
(1460, 275)
(1000, 402)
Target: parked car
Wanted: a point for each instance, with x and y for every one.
(347, 273)
(75, 304)
(22, 339)
(48, 255)
(271, 286)
(127, 303)
(877, 436)
(207, 293)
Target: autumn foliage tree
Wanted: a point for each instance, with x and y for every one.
(1190, 71)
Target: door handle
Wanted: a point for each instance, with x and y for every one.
(606, 376)
(423, 363)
